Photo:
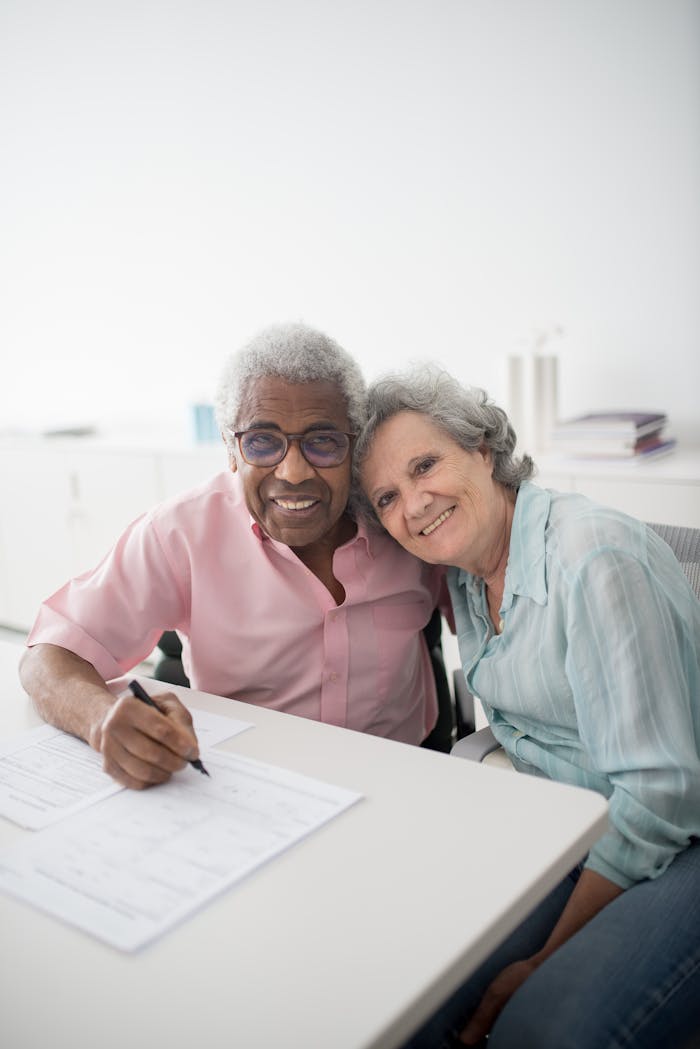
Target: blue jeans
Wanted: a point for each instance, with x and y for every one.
(629, 979)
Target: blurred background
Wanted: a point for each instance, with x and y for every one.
(454, 179)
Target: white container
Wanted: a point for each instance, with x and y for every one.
(533, 398)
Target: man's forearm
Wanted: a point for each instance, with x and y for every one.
(66, 691)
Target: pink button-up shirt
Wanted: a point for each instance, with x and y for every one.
(256, 624)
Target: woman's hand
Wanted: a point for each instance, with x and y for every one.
(495, 999)
(592, 893)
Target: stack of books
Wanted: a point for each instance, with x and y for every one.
(627, 435)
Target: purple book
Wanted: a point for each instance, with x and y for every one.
(612, 424)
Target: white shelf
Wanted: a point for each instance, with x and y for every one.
(664, 490)
(680, 465)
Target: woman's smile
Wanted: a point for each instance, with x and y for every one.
(429, 529)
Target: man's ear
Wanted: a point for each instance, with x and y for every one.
(232, 464)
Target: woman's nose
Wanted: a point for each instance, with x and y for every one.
(417, 502)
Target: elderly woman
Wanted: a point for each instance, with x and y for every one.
(580, 634)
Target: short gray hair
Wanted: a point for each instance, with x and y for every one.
(297, 354)
(466, 414)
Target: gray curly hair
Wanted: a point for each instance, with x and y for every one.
(466, 414)
(293, 352)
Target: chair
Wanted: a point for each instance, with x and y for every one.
(169, 669)
(483, 745)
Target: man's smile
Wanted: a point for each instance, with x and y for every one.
(295, 505)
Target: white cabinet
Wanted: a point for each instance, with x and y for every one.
(34, 533)
(663, 491)
(64, 501)
(63, 507)
(186, 467)
(107, 489)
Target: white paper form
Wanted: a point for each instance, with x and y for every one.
(128, 869)
(46, 774)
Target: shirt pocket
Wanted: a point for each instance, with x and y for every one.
(400, 649)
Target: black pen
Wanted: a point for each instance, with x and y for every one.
(141, 694)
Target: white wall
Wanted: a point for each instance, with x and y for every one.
(421, 179)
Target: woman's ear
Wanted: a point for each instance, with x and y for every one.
(486, 453)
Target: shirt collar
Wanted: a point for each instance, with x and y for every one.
(525, 571)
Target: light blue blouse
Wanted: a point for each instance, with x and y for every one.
(595, 679)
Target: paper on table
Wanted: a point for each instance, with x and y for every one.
(46, 774)
(130, 868)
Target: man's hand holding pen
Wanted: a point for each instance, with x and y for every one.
(143, 744)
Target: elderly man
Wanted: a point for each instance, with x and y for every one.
(280, 596)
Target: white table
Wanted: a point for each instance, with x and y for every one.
(350, 939)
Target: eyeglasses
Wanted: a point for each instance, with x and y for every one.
(320, 448)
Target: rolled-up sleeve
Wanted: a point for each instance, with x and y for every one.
(632, 661)
(113, 615)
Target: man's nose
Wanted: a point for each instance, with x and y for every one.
(294, 468)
